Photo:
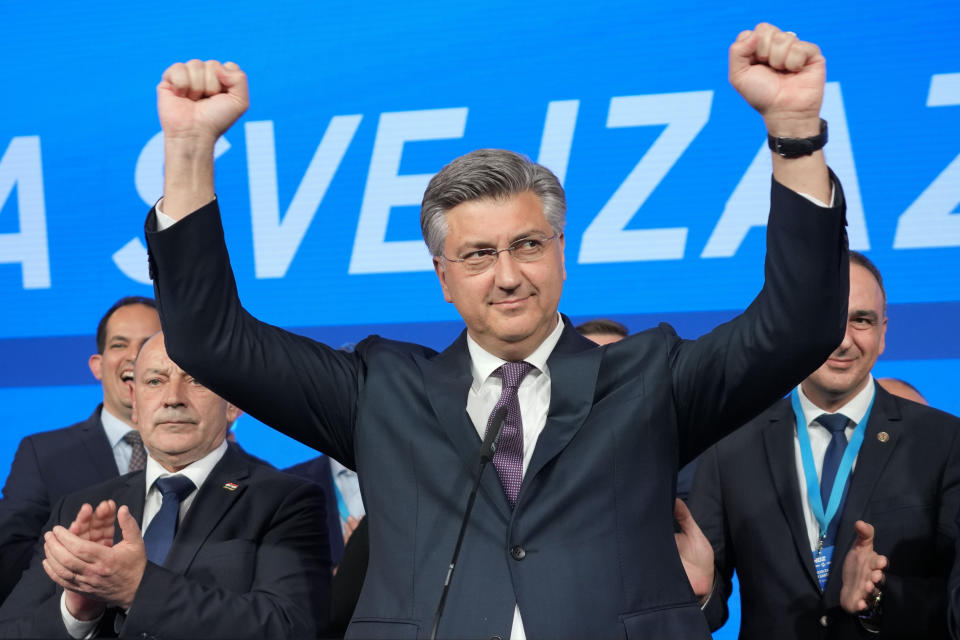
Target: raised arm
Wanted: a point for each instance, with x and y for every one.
(197, 102)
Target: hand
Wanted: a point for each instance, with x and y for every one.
(862, 570)
(350, 527)
(695, 551)
(780, 76)
(95, 525)
(109, 575)
(198, 101)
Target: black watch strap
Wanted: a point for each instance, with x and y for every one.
(796, 147)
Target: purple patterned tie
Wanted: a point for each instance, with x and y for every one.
(138, 455)
(508, 458)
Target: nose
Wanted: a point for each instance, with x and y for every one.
(506, 272)
(174, 393)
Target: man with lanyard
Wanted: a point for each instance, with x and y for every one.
(799, 512)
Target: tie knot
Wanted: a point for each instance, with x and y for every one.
(179, 486)
(833, 422)
(133, 438)
(512, 373)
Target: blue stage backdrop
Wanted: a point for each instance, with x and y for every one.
(355, 107)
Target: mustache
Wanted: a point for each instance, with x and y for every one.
(173, 416)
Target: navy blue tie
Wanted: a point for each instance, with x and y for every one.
(163, 527)
(835, 423)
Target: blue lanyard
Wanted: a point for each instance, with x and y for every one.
(810, 469)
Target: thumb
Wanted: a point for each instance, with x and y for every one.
(129, 526)
(864, 533)
(681, 513)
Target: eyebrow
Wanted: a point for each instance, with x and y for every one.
(481, 244)
(864, 313)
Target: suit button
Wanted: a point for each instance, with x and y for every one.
(824, 621)
(518, 553)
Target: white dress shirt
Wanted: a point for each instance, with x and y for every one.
(347, 483)
(197, 472)
(819, 439)
(533, 395)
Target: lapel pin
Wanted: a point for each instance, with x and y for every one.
(231, 486)
(883, 436)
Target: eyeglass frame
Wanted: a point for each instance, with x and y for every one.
(510, 249)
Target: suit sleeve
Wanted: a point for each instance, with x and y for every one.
(913, 602)
(296, 385)
(23, 510)
(706, 505)
(728, 376)
(32, 610)
(289, 596)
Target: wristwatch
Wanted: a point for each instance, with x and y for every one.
(797, 147)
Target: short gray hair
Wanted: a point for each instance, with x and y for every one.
(487, 174)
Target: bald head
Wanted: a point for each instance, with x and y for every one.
(902, 388)
(180, 420)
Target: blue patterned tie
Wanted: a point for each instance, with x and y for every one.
(835, 423)
(508, 458)
(163, 527)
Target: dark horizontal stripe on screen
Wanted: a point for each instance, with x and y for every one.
(916, 332)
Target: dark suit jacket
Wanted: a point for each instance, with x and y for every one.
(747, 500)
(46, 467)
(588, 551)
(244, 563)
(318, 470)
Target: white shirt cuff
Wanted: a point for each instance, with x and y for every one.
(165, 222)
(78, 629)
(816, 201)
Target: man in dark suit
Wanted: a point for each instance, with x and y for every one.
(763, 497)
(49, 465)
(230, 549)
(571, 535)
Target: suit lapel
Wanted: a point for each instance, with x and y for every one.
(574, 365)
(781, 456)
(871, 461)
(219, 492)
(132, 494)
(95, 442)
(447, 379)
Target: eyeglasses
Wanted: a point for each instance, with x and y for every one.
(529, 249)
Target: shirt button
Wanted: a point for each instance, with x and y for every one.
(824, 621)
(518, 553)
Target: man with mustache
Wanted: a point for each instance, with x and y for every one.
(229, 548)
(49, 465)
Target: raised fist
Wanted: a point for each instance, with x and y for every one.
(780, 76)
(199, 100)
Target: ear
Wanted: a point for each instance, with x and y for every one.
(233, 413)
(442, 276)
(561, 243)
(96, 365)
(883, 335)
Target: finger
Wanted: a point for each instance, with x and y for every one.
(63, 562)
(106, 510)
(682, 514)
(234, 80)
(765, 33)
(55, 575)
(129, 526)
(196, 79)
(84, 550)
(864, 533)
(780, 45)
(81, 523)
(211, 81)
(800, 54)
(742, 52)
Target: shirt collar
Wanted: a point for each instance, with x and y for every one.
(114, 427)
(855, 409)
(196, 471)
(483, 363)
